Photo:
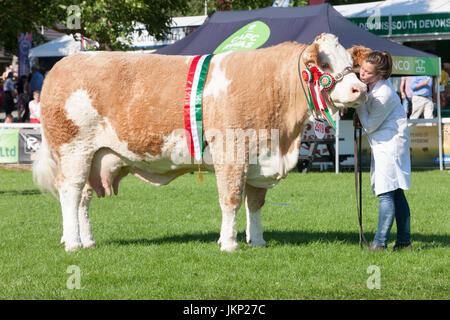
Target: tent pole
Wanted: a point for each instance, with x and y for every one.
(438, 100)
(336, 135)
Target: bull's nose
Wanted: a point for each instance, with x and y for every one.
(359, 92)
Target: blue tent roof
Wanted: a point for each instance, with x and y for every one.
(300, 24)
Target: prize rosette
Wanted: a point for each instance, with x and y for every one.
(307, 75)
(326, 81)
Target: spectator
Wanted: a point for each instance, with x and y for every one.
(444, 85)
(1, 93)
(7, 71)
(422, 102)
(23, 97)
(406, 93)
(37, 79)
(9, 118)
(35, 108)
(8, 94)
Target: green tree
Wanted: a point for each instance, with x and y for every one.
(104, 21)
(197, 7)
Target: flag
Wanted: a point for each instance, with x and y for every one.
(24, 49)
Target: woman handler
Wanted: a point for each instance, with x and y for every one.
(384, 121)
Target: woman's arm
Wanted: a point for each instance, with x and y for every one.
(402, 88)
(422, 84)
(380, 108)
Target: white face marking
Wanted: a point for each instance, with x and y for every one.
(335, 55)
(219, 83)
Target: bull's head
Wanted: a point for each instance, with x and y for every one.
(328, 55)
(358, 54)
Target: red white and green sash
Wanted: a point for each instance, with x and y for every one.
(318, 82)
(193, 105)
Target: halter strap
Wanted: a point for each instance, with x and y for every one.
(323, 81)
(339, 76)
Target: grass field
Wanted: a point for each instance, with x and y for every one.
(161, 243)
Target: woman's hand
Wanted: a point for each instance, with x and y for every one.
(356, 122)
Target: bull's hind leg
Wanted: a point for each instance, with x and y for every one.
(254, 200)
(71, 181)
(86, 237)
(69, 197)
(230, 182)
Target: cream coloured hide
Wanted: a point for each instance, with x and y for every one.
(109, 114)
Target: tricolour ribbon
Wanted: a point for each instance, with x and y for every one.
(316, 80)
(193, 105)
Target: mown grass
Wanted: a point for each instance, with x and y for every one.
(161, 243)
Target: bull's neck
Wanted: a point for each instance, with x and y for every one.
(296, 107)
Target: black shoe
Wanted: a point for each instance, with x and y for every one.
(400, 246)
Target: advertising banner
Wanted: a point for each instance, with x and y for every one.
(415, 65)
(29, 143)
(445, 145)
(405, 24)
(9, 146)
(424, 147)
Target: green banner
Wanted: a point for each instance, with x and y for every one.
(415, 66)
(436, 23)
(250, 36)
(9, 146)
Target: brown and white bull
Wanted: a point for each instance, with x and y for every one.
(109, 114)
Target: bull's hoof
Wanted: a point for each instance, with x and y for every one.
(89, 244)
(229, 248)
(72, 247)
(257, 244)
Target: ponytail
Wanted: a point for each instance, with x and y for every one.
(382, 62)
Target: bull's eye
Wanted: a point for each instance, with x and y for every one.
(325, 66)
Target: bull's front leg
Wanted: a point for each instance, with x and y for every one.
(254, 200)
(230, 182)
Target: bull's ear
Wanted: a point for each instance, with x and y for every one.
(311, 55)
(358, 54)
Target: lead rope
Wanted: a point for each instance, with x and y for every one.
(357, 154)
(301, 81)
(357, 165)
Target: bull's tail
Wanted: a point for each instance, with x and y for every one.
(45, 168)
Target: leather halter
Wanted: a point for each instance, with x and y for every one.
(336, 77)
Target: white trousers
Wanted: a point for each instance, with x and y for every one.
(422, 105)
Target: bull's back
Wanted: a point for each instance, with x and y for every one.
(139, 96)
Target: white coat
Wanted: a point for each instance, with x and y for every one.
(385, 123)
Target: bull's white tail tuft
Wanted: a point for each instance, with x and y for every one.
(45, 168)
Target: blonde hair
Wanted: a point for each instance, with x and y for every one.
(382, 62)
